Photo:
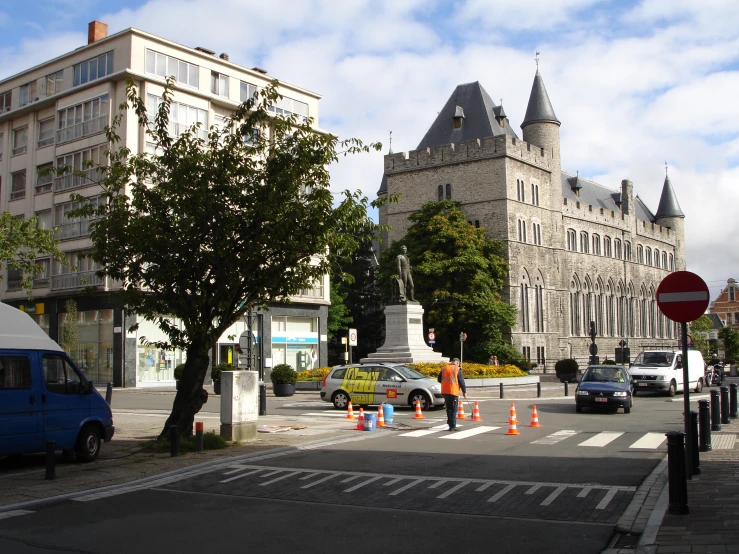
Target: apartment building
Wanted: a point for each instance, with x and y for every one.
(55, 114)
(726, 305)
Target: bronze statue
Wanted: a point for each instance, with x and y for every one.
(405, 279)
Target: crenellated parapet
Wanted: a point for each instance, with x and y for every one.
(489, 147)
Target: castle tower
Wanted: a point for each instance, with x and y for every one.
(670, 215)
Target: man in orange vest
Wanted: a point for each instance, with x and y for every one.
(452, 381)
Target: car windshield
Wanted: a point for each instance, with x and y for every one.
(655, 359)
(604, 374)
(408, 373)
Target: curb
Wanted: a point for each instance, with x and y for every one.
(647, 544)
(627, 522)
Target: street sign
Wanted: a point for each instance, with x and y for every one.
(432, 336)
(622, 343)
(682, 296)
(352, 337)
(463, 336)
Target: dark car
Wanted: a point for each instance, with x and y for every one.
(605, 386)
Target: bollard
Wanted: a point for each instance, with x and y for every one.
(198, 436)
(501, 390)
(109, 393)
(677, 481)
(732, 400)
(50, 460)
(704, 420)
(174, 441)
(567, 388)
(715, 411)
(538, 390)
(725, 419)
(262, 398)
(696, 465)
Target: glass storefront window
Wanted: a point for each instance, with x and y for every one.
(43, 321)
(154, 365)
(94, 352)
(294, 341)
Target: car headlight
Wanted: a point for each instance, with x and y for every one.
(582, 393)
(662, 378)
(620, 393)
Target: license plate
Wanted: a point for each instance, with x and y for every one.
(643, 384)
(601, 400)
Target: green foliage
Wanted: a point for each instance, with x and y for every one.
(69, 329)
(178, 371)
(699, 330)
(215, 373)
(283, 374)
(507, 354)
(565, 366)
(458, 274)
(471, 370)
(22, 243)
(339, 318)
(730, 337)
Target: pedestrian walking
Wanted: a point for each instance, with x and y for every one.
(493, 360)
(452, 381)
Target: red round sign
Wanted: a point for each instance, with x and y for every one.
(432, 336)
(682, 296)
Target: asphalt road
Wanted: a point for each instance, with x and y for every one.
(558, 488)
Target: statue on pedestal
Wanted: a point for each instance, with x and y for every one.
(403, 289)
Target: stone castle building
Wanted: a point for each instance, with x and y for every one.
(578, 251)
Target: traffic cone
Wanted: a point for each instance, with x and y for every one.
(419, 413)
(380, 417)
(360, 422)
(513, 412)
(512, 430)
(476, 412)
(460, 410)
(349, 411)
(534, 418)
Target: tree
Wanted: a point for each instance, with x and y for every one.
(458, 275)
(730, 337)
(699, 331)
(69, 330)
(208, 227)
(22, 243)
(338, 314)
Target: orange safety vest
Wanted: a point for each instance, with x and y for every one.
(449, 380)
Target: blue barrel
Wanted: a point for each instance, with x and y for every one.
(387, 413)
(370, 422)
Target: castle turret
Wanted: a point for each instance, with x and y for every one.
(670, 215)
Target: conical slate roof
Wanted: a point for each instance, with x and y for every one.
(668, 205)
(539, 108)
(474, 104)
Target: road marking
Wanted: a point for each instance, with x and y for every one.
(425, 432)
(314, 483)
(279, 478)
(454, 489)
(240, 476)
(438, 483)
(392, 482)
(311, 474)
(273, 473)
(470, 432)
(367, 482)
(14, 513)
(500, 494)
(353, 478)
(583, 493)
(533, 489)
(555, 437)
(552, 497)
(483, 486)
(406, 487)
(650, 440)
(606, 499)
(601, 439)
(723, 442)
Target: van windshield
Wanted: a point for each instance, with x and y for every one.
(655, 359)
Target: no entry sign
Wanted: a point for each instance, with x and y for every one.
(682, 296)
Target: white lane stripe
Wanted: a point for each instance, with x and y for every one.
(392, 482)
(406, 487)
(242, 475)
(421, 432)
(533, 489)
(606, 499)
(500, 494)
(470, 432)
(483, 486)
(367, 482)
(14, 513)
(583, 493)
(691, 296)
(453, 489)
(439, 483)
(350, 479)
(279, 478)
(311, 474)
(601, 439)
(555, 437)
(273, 473)
(314, 483)
(238, 468)
(551, 498)
(650, 440)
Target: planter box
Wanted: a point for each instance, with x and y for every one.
(283, 390)
(308, 385)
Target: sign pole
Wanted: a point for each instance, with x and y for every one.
(686, 403)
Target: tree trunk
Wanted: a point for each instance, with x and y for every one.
(188, 400)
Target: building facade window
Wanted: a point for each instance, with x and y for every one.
(289, 106)
(617, 253)
(539, 305)
(448, 191)
(167, 66)
(68, 228)
(523, 307)
(20, 140)
(41, 279)
(219, 83)
(93, 352)
(53, 83)
(5, 99)
(536, 228)
(640, 254)
(83, 120)
(656, 257)
(181, 116)
(664, 260)
(44, 219)
(93, 69)
(627, 251)
(732, 293)
(584, 239)
(293, 338)
(27, 93)
(46, 132)
(596, 244)
(18, 185)
(672, 262)
(44, 178)
(648, 256)
(247, 91)
(78, 171)
(440, 193)
(571, 240)
(521, 230)
(607, 247)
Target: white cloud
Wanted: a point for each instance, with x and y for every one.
(518, 14)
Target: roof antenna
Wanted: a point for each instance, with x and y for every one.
(665, 169)
(537, 60)
(391, 143)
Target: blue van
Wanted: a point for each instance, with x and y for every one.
(43, 396)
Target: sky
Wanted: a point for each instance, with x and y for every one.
(637, 85)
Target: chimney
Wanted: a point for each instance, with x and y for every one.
(224, 56)
(627, 197)
(96, 30)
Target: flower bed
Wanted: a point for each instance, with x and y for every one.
(313, 374)
(472, 370)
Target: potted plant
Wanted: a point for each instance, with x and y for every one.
(178, 371)
(215, 374)
(283, 379)
(566, 370)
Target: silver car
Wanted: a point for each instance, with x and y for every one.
(377, 383)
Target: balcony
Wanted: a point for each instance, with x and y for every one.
(76, 280)
(176, 129)
(72, 181)
(83, 129)
(315, 292)
(20, 150)
(73, 230)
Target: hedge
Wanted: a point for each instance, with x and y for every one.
(470, 370)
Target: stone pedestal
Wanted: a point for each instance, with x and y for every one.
(239, 405)
(404, 341)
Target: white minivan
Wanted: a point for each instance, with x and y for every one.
(662, 371)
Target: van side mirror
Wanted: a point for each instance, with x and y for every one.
(679, 365)
(89, 388)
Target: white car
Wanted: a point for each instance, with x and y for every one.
(378, 383)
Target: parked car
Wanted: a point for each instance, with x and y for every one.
(377, 383)
(662, 371)
(605, 386)
(44, 396)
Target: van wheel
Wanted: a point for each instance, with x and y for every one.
(672, 389)
(699, 386)
(340, 400)
(88, 443)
